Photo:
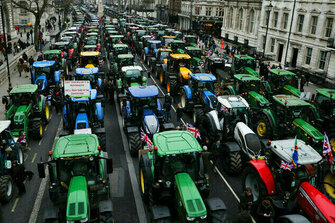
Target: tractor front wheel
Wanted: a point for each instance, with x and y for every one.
(145, 177)
(102, 141)
(46, 114)
(328, 185)
(37, 129)
(172, 87)
(251, 178)
(263, 127)
(197, 116)
(183, 100)
(135, 143)
(6, 188)
(232, 161)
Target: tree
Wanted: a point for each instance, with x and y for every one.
(37, 8)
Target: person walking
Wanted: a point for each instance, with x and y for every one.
(167, 107)
(265, 212)
(25, 56)
(246, 200)
(28, 36)
(31, 34)
(25, 68)
(179, 112)
(19, 67)
(111, 91)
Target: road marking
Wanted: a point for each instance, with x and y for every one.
(25, 157)
(34, 157)
(131, 169)
(40, 193)
(46, 127)
(28, 148)
(50, 116)
(39, 143)
(15, 204)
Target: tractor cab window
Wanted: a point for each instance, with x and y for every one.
(206, 86)
(191, 39)
(42, 71)
(167, 41)
(24, 99)
(250, 85)
(121, 50)
(196, 53)
(89, 60)
(155, 45)
(164, 55)
(50, 56)
(179, 164)
(133, 74)
(127, 62)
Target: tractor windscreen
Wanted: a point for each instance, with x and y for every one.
(165, 54)
(282, 80)
(250, 85)
(178, 46)
(191, 39)
(179, 164)
(253, 143)
(42, 71)
(206, 85)
(50, 56)
(89, 60)
(121, 50)
(167, 41)
(155, 45)
(140, 32)
(196, 53)
(133, 74)
(91, 42)
(127, 62)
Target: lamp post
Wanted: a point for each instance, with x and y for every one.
(6, 49)
(267, 26)
(289, 33)
(191, 25)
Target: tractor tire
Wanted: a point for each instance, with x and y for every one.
(251, 178)
(183, 100)
(161, 78)
(197, 116)
(37, 129)
(232, 162)
(46, 114)
(135, 143)
(6, 189)
(173, 86)
(106, 217)
(327, 187)
(218, 216)
(263, 127)
(145, 177)
(102, 141)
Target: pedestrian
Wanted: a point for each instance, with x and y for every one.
(265, 211)
(1, 62)
(19, 67)
(19, 174)
(105, 88)
(302, 81)
(25, 68)
(28, 36)
(307, 77)
(179, 112)
(9, 47)
(206, 156)
(167, 107)
(111, 91)
(246, 200)
(242, 217)
(213, 45)
(15, 48)
(279, 66)
(24, 56)
(31, 34)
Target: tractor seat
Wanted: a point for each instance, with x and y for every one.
(253, 143)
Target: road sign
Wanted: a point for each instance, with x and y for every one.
(77, 88)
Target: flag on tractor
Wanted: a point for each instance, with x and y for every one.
(120, 42)
(210, 52)
(152, 37)
(224, 108)
(286, 166)
(145, 138)
(198, 42)
(193, 130)
(184, 39)
(22, 138)
(327, 150)
(295, 155)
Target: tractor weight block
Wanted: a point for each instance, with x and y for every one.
(159, 212)
(41, 171)
(105, 205)
(215, 204)
(51, 214)
(168, 126)
(132, 129)
(109, 165)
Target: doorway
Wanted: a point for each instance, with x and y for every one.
(280, 52)
(294, 57)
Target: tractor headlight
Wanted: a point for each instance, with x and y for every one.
(315, 140)
(84, 220)
(190, 218)
(203, 217)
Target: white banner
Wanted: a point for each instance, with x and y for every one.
(77, 88)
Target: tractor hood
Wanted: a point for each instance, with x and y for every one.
(209, 99)
(251, 71)
(41, 82)
(308, 128)
(190, 196)
(258, 97)
(134, 84)
(77, 200)
(185, 73)
(197, 59)
(292, 90)
(150, 121)
(19, 114)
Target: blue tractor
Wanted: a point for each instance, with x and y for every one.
(150, 49)
(85, 115)
(199, 96)
(93, 75)
(142, 109)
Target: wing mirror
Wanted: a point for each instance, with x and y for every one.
(41, 171)
(4, 100)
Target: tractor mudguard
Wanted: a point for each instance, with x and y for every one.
(57, 75)
(318, 207)
(231, 90)
(188, 91)
(215, 204)
(265, 174)
(51, 213)
(99, 131)
(132, 129)
(289, 89)
(214, 120)
(232, 146)
(308, 129)
(159, 212)
(259, 98)
(99, 111)
(146, 50)
(105, 206)
(269, 115)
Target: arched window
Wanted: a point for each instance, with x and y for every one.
(240, 19)
(251, 21)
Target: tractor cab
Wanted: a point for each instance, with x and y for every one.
(118, 49)
(202, 86)
(191, 40)
(125, 60)
(166, 40)
(46, 76)
(244, 83)
(177, 46)
(115, 39)
(90, 48)
(196, 55)
(283, 81)
(89, 59)
(163, 55)
(52, 55)
(92, 74)
(153, 46)
(181, 65)
(133, 76)
(244, 64)
(177, 34)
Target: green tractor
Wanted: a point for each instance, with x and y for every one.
(122, 60)
(244, 64)
(172, 178)
(27, 110)
(56, 55)
(78, 181)
(288, 115)
(114, 39)
(130, 76)
(196, 57)
(283, 81)
(191, 40)
(177, 46)
(118, 49)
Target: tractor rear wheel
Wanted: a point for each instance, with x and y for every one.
(102, 141)
(183, 99)
(106, 217)
(46, 113)
(329, 182)
(197, 116)
(232, 161)
(145, 177)
(6, 188)
(173, 87)
(264, 129)
(37, 129)
(251, 178)
(134, 143)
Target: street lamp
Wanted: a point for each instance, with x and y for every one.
(6, 48)
(267, 26)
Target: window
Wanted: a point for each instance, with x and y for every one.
(300, 23)
(285, 20)
(197, 10)
(323, 55)
(208, 11)
(329, 26)
(240, 19)
(275, 19)
(308, 55)
(267, 16)
(273, 42)
(314, 22)
(252, 21)
(24, 22)
(221, 12)
(217, 12)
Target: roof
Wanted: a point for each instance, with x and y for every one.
(233, 101)
(169, 37)
(126, 68)
(60, 43)
(51, 52)
(92, 70)
(125, 56)
(143, 91)
(175, 142)
(193, 48)
(76, 145)
(24, 88)
(165, 49)
(326, 92)
(120, 45)
(177, 41)
(116, 36)
(154, 41)
(246, 77)
(44, 63)
(4, 125)
(180, 56)
(203, 77)
(90, 46)
(290, 100)
(189, 36)
(89, 53)
(244, 57)
(282, 72)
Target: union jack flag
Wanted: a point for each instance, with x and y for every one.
(120, 42)
(198, 42)
(145, 138)
(184, 39)
(224, 108)
(22, 139)
(286, 166)
(193, 130)
(210, 52)
(152, 37)
(327, 150)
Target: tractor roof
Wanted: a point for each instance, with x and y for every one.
(203, 77)
(193, 48)
(244, 57)
(329, 93)
(92, 34)
(116, 36)
(24, 88)
(4, 125)
(51, 52)
(44, 63)
(91, 70)
(246, 77)
(290, 100)
(180, 56)
(175, 142)
(90, 46)
(126, 68)
(89, 54)
(233, 101)
(282, 72)
(125, 56)
(76, 145)
(120, 45)
(188, 36)
(165, 50)
(154, 41)
(169, 37)
(177, 41)
(143, 91)
(61, 43)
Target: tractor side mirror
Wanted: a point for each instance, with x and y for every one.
(109, 166)
(41, 171)
(4, 100)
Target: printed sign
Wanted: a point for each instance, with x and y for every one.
(83, 131)
(77, 88)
